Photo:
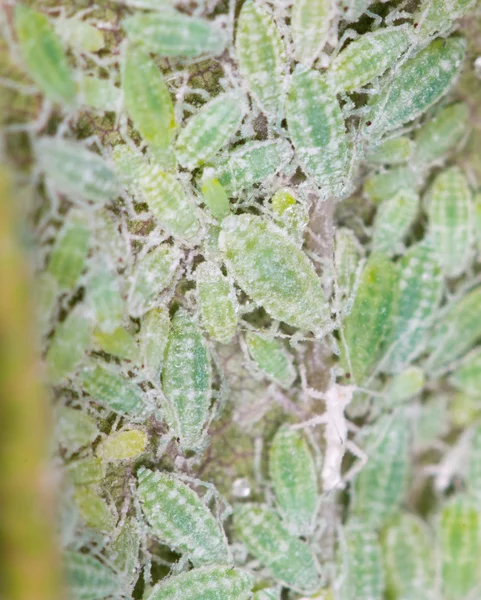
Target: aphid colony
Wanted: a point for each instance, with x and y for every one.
(258, 295)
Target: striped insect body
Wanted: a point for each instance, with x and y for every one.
(392, 151)
(154, 335)
(271, 358)
(74, 429)
(393, 220)
(93, 509)
(310, 25)
(69, 254)
(120, 343)
(290, 214)
(88, 578)
(104, 298)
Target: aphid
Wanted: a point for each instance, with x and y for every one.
(68, 346)
(449, 208)
(440, 16)
(129, 164)
(186, 381)
(467, 376)
(99, 94)
(124, 551)
(88, 578)
(209, 130)
(290, 214)
(382, 186)
(46, 292)
(408, 555)
(215, 198)
(69, 253)
(431, 422)
(293, 474)
(180, 519)
(79, 34)
(273, 271)
(206, 583)
(317, 130)
(104, 298)
(171, 33)
(367, 57)
(393, 151)
(473, 475)
(154, 335)
(404, 385)
(393, 220)
(76, 171)
(348, 253)
(464, 410)
(365, 328)
(290, 560)
(113, 390)
(74, 429)
(416, 85)
(44, 55)
(253, 163)
(123, 445)
(310, 23)
(217, 302)
(119, 343)
(93, 509)
(261, 56)
(271, 357)
(115, 246)
(86, 471)
(267, 594)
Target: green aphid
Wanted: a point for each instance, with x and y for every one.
(86, 471)
(104, 298)
(215, 197)
(89, 579)
(440, 134)
(290, 214)
(79, 35)
(449, 208)
(409, 559)
(74, 429)
(93, 509)
(310, 24)
(115, 246)
(290, 561)
(129, 164)
(360, 563)
(124, 551)
(416, 85)
(46, 290)
(261, 56)
(118, 343)
(317, 130)
(69, 254)
(179, 518)
(464, 409)
(393, 151)
(418, 293)
(174, 34)
(348, 253)
(151, 275)
(210, 129)
(456, 331)
(267, 594)
(274, 272)
(186, 381)
(68, 346)
(381, 485)
(44, 56)
(99, 94)
(431, 423)
(154, 334)
(438, 16)
(147, 98)
(404, 386)
(367, 325)
(473, 475)
(380, 187)
(123, 445)
(293, 474)
(217, 302)
(393, 221)
(76, 171)
(111, 389)
(467, 376)
(253, 163)
(367, 57)
(459, 535)
(271, 357)
(207, 583)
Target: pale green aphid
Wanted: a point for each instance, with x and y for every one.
(104, 299)
(69, 254)
(186, 381)
(100, 94)
(147, 98)
(88, 578)
(217, 302)
(464, 409)
(262, 532)
(273, 271)
(393, 221)
(253, 163)
(380, 487)
(467, 376)
(180, 519)
(76, 171)
(267, 594)
(367, 325)
(439, 15)
(348, 253)
(408, 554)
(207, 583)
(115, 246)
(455, 332)
(431, 423)
(261, 56)
(44, 55)
(154, 335)
(79, 35)
(473, 475)
(129, 164)
(119, 343)
(152, 274)
(171, 33)
(46, 292)
(112, 390)
(416, 85)
(449, 208)
(367, 57)
(209, 130)
(293, 474)
(86, 471)
(459, 534)
(418, 295)
(93, 509)
(405, 385)
(124, 550)
(271, 357)
(441, 134)
(360, 563)
(215, 198)
(381, 187)
(74, 429)
(310, 24)
(317, 130)
(393, 151)
(290, 214)
(123, 445)
(68, 346)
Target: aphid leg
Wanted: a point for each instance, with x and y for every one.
(359, 465)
